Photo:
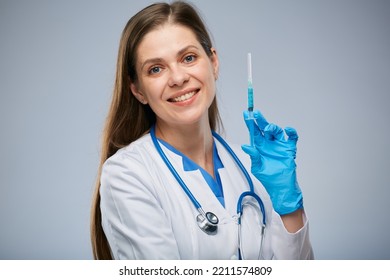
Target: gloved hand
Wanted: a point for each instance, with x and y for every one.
(273, 162)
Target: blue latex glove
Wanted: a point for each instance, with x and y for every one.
(273, 162)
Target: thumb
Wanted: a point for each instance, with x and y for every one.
(292, 134)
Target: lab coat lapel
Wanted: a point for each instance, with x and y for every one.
(232, 178)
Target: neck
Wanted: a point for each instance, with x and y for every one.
(194, 141)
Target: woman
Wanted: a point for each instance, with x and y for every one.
(164, 105)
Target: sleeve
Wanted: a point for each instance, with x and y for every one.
(133, 220)
(289, 246)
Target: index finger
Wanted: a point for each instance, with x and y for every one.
(260, 120)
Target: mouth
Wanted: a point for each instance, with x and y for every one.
(184, 97)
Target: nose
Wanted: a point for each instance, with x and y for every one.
(178, 76)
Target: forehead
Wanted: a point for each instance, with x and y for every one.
(166, 40)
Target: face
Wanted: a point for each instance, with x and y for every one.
(175, 76)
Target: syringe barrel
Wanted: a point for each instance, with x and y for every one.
(250, 98)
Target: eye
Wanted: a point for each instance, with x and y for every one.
(154, 70)
(189, 58)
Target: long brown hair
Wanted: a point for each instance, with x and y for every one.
(128, 119)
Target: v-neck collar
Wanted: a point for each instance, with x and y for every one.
(189, 165)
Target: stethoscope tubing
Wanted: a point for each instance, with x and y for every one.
(240, 205)
(173, 171)
(185, 188)
(236, 159)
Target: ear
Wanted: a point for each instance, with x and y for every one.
(138, 94)
(215, 62)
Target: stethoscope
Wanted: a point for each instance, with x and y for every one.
(208, 221)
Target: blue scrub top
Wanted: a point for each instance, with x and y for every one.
(189, 165)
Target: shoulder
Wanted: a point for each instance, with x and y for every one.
(130, 175)
(134, 153)
(130, 163)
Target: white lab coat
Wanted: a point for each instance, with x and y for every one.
(147, 215)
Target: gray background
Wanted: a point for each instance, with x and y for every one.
(320, 66)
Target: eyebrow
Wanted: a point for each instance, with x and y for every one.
(158, 60)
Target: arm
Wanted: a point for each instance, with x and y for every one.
(273, 164)
(293, 221)
(133, 221)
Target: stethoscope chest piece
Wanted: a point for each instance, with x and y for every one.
(208, 222)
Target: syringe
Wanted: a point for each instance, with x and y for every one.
(250, 86)
(250, 101)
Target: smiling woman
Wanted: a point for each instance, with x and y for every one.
(170, 187)
(176, 79)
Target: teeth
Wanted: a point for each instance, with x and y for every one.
(184, 97)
